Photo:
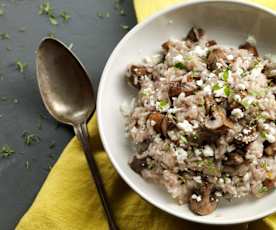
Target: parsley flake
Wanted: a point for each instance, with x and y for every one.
(21, 66)
(5, 36)
(30, 139)
(6, 151)
(179, 65)
(216, 87)
(65, 16)
(124, 27)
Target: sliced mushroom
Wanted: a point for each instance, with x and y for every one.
(174, 89)
(270, 70)
(252, 49)
(157, 118)
(270, 184)
(138, 164)
(209, 103)
(167, 45)
(206, 205)
(194, 34)
(136, 72)
(216, 120)
(166, 125)
(234, 159)
(210, 43)
(213, 58)
(270, 150)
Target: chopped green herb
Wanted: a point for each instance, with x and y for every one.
(122, 12)
(179, 65)
(30, 139)
(227, 90)
(263, 165)
(263, 134)
(183, 140)
(15, 100)
(124, 27)
(4, 98)
(103, 15)
(6, 151)
(163, 104)
(51, 34)
(21, 66)
(27, 164)
(53, 20)
(22, 29)
(5, 36)
(45, 8)
(216, 87)
(2, 10)
(41, 117)
(263, 189)
(65, 15)
(52, 145)
(226, 74)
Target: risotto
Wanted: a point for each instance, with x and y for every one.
(203, 121)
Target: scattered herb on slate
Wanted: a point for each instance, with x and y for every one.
(21, 66)
(65, 16)
(103, 15)
(40, 119)
(30, 139)
(51, 34)
(2, 9)
(45, 8)
(6, 151)
(27, 164)
(53, 20)
(5, 36)
(52, 145)
(124, 27)
(22, 29)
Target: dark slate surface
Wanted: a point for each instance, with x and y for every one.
(93, 40)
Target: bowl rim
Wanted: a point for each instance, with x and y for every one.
(100, 121)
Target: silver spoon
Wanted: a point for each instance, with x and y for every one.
(68, 95)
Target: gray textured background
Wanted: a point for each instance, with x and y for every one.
(93, 39)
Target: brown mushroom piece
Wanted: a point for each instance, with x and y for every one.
(157, 118)
(248, 46)
(167, 45)
(216, 120)
(213, 58)
(270, 70)
(270, 184)
(136, 72)
(210, 43)
(174, 89)
(234, 159)
(270, 150)
(206, 205)
(166, 125)
(194, 34)
(138, 164)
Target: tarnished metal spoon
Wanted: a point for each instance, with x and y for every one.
(68, 95)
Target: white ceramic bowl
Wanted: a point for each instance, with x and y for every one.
(228, 22)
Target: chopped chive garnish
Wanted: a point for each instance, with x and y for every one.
(216, 87)
(225, 75)
(53, 20)
(6, 151)
(65, 16)
(124, 27)
(227, 90)
(30, 139)
(4, 36)
(21, 66)
(179, 65)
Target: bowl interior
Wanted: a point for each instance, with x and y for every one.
(229, 23)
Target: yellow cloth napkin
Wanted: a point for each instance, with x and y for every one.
(68, 199)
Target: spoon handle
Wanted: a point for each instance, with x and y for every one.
(83, 136)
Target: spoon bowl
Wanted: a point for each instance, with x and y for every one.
(64, 84)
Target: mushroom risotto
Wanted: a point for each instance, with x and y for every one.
(203, 121)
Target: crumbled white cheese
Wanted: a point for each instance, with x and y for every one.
(227, 180)
(220, 92)
(186, 126)
(153, 60)
(230, 148)
(198, 152)
(208, 151)
(230, 57)
(199, 82)
(237, 113)
(181, 154)
(241, 86)
(219, 65)
(172, 135)
(196, 197)
(220, 180)
(246, 177)
(248, 100)
(200, 51)
(197, 179)
(270, 138)
(152, 122)
(177, 58)
(237, 97)
(219, 194)
(207, 90)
